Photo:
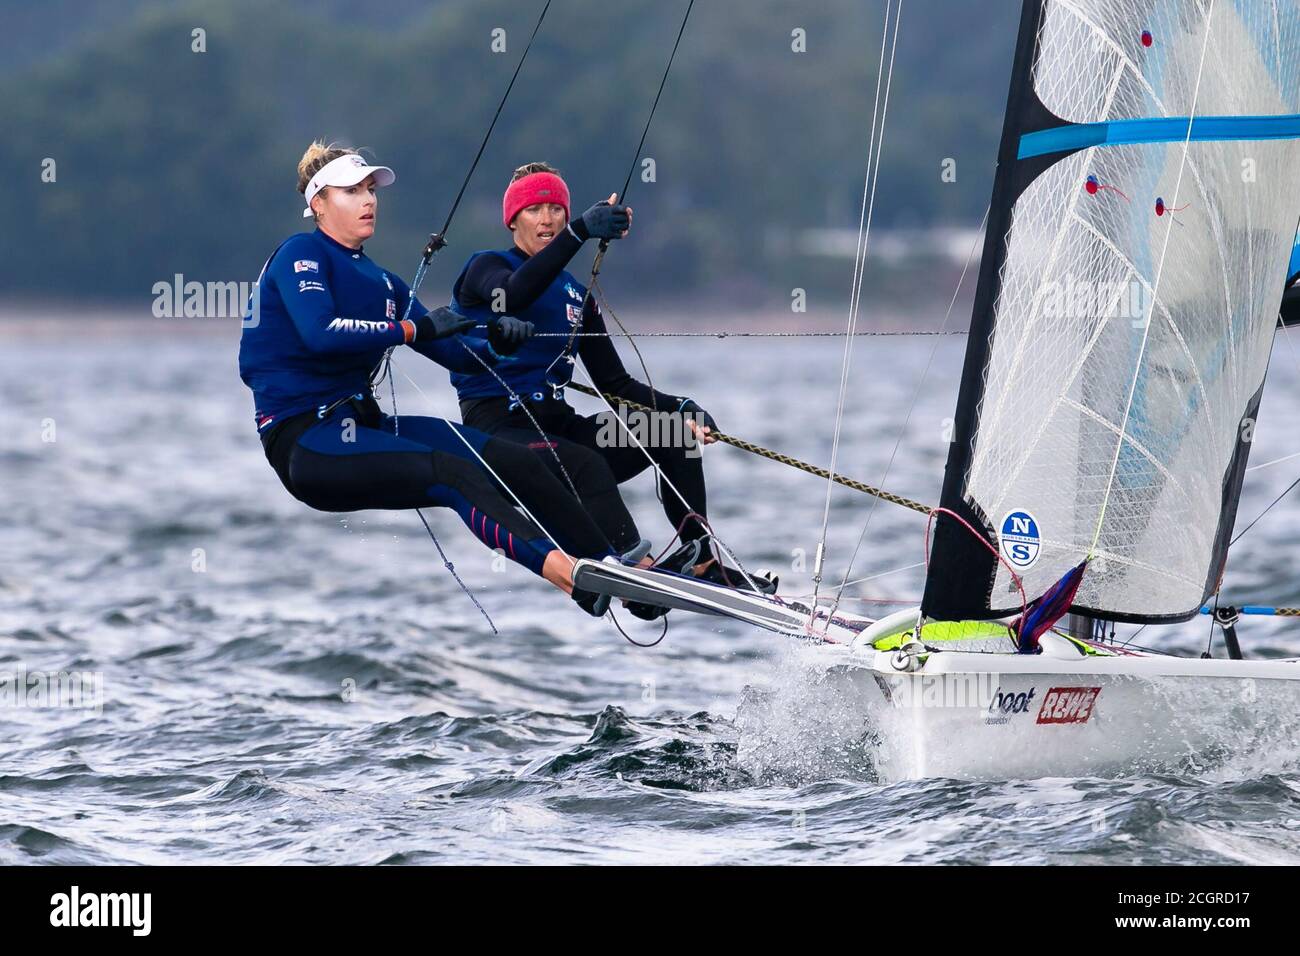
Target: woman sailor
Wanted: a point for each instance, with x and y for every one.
(529, 281)
(321, 320)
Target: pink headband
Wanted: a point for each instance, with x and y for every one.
(533, 189)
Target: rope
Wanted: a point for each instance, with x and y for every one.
(724, 334)
(1024, 600)
(1275, 461)
(916, 395)
(519, 402)
(714, 538)
(627, 637)
(663, 80)
(771, 455)
(491, 471)
(567, 355)
(603, 303)
(439, 239)
(869, 185)
(1289, 489)
(882, 574)
(446, 562)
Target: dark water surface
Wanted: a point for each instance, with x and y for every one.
(281, 685)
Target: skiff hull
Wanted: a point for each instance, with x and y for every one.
(986, 716)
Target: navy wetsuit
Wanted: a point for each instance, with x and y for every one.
(320, 322)
(539, 290)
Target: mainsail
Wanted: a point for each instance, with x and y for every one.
(1146, 199)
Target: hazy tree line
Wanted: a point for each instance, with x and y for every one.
(161, 138)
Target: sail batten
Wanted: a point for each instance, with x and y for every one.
(1147, 195)
(1168, 129)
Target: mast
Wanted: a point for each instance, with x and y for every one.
(1082, 627)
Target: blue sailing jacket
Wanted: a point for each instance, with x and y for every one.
(319, 321)
(557, 310)
(1293, 272)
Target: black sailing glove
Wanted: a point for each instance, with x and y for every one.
(507, 334)
(603, 221)
(692, 410)
(440, 323)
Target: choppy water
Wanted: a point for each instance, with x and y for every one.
(281, 685)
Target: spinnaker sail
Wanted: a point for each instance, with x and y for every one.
(1148, 188)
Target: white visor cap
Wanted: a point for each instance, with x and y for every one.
(345, 171)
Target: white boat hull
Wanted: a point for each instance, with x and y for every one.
(981, 715)
(989, 713)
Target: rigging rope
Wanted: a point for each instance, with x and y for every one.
(916, 395)
(869, 185)
(769, 454)
(446, 563)
(439, 239)
(714, 538)
(726, 334)
(1289, 489)
(491, 471)
(593, 288)
(883, 574)
(1275, 461)
(566, 356)
(519, 403)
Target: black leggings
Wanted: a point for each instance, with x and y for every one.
(599, 465)
(358, 458)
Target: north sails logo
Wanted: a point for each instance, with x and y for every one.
(358, 325)
(1020, 538)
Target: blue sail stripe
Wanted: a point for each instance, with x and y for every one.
(1171, 129)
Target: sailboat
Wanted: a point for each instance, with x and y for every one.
(1142, 220)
